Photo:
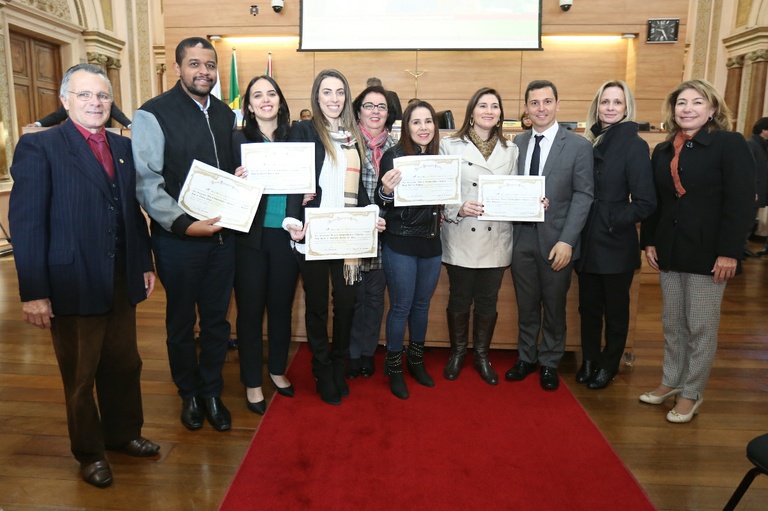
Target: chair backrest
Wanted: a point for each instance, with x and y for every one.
(445, 120)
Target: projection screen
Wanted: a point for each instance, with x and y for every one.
(383, 25)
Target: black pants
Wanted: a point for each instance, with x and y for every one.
(265, 279)
(604, 296)
(197, 277)
(478, 285)
(317, 276)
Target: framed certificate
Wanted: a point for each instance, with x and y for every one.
(209, 192)
(428, 180)
(341, 233)
(281, 167)
(511, 198)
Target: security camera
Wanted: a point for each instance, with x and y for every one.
(277, 5)
(565, 5)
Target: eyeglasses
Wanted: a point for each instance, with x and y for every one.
(86, 95)
(370, 106)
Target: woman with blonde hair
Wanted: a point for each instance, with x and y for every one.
(338, 159)
(624, 195)
(705, 186)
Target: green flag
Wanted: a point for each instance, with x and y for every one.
(234, 90)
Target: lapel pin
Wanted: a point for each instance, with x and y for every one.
(121, 160)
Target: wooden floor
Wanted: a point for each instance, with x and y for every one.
(682, 467)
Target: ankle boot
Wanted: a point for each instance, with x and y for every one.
(324, 382)
(393, 367)
(482, 333)
(416, 364)
(458, 333)
(338, 377)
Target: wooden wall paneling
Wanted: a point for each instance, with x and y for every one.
(357, 67)
(649, 110)
(231, 17)
(594, 15)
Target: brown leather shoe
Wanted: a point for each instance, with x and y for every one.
(140, 448)
(97, 473)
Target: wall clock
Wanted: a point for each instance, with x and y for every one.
(663, 30)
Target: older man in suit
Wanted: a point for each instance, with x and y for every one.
(543, 255)
(83, 259)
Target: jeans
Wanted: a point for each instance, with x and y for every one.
(411, 281)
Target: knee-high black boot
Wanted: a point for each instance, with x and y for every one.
(482, 333)
(416, 364)
(393, 368)
(458, 334)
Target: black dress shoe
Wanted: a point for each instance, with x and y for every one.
(217, 413)
(601, 379)
(192, 413)
(283, 391)
(549, 379)
(140, 448)
(587, 371)
(97, 473)
(520, 370)
(367, 367)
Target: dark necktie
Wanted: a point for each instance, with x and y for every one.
(102, 152)
(536, 156)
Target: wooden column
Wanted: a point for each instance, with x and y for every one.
(732, 98)
(113, 73)
(756, 87)
(160, 70)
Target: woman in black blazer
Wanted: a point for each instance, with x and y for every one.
(705, 184)
(338, 158)
(624, 195)
(265, 271)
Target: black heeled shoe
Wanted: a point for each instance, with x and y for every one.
(259, 407)
(283, 391)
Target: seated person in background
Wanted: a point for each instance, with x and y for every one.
(61, 115)
(305, 115)
(392, 96)
(525, 121)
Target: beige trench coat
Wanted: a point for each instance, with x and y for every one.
(467, 241)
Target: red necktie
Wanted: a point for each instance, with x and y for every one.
(102, 152)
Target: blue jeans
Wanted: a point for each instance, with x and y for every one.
(411, 281)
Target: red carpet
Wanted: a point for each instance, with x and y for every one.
(461, 445)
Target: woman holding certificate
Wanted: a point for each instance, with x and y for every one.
(338, 183)
(410, 252)
(476, 251)
(375, 116)
(610, 251)
(266, 271)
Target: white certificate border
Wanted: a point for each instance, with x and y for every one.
(308, 180)
(483, 179)
(416, 160)
(200, 169)
(371, 211)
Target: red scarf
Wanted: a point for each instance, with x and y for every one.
(678, 143)
(374, 144)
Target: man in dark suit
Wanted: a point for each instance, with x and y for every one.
(543, 254)
(83, 259)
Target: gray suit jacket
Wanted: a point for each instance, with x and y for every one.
(569, 188)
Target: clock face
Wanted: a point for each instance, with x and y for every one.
(663, 30)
